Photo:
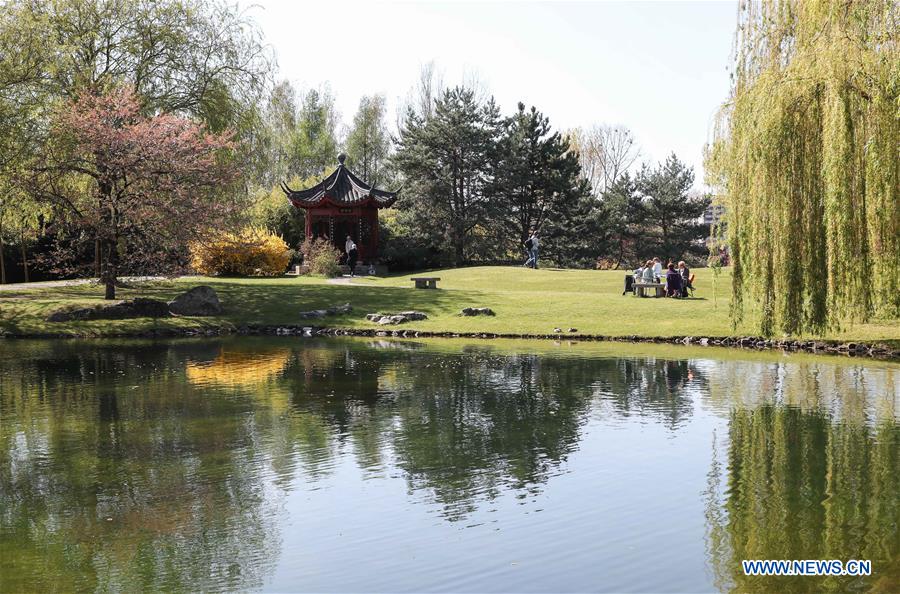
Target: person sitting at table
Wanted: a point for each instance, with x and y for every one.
(657, 269)
(685, 273)
(648, 275)
(639, 272)
(634, 277)
(673, 282)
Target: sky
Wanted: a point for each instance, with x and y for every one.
(659, 68)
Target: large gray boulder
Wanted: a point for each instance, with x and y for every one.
(199, 301)
(136, 308)
(476, 311)
(334, 310)
(413, 315)
(385, 319)
(315, 313)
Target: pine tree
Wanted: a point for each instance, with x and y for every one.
(446, 162)
(671, 212)
(622, 221)
(538, 186)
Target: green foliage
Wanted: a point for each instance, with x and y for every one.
(401, 247)
(314, 144)
(476, 185)
(805, 159)
(251, 252)
(714, 264)
(297, 143)
(368, 142)
(538, 185)
(271, 210)
(321, 257)
(653, 214)
(671, 211)
(200, 59)
(447, 162)
(621, 222)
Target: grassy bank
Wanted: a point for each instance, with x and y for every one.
(525, 301)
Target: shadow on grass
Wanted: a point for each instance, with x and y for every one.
(10, 318)
(278, 303)
(251, 301)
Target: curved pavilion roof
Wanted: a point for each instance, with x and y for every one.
(341, 188)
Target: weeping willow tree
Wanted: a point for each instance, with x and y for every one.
(805, 157)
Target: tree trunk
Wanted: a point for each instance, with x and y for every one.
(459, 248)
(2, 258)
(109, 271)
(97, 258)
(24, 256)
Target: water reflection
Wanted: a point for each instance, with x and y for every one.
(657, 388)
(801, 486)
(117, 475)
(167, 465)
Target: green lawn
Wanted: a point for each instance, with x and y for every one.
(525, 301)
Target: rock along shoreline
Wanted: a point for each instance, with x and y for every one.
(823, 347)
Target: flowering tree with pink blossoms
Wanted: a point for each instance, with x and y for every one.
(126, 178)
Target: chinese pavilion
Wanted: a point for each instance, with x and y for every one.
(342, 205)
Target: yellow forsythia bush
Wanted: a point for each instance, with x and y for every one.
(251, 252)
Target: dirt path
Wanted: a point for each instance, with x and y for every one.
(348, 281)
(71, 283)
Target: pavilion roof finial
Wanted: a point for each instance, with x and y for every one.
(341, 158)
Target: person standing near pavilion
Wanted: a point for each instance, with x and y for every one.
(352, 254)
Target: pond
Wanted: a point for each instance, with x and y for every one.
(288, 464)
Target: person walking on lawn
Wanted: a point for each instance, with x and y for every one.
(531, 247)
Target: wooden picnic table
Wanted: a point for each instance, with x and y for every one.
(426, 282)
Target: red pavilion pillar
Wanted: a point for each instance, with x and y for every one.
(373, 236)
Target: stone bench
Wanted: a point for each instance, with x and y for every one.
(426, 282)
(641, 288)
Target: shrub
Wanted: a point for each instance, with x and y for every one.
(321, 257)
(607, 264)
(252, 251)
(401, 248)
